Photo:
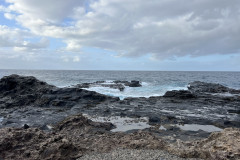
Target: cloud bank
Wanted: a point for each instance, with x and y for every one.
(164, 29)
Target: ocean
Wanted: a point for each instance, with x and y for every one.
(154, 83)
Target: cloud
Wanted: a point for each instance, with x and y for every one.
(68, 58)
(164, 29)
(20, 40)
(76, 59)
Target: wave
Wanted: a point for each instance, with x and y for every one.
(147, 90)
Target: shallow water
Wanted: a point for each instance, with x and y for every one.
(197, 127)
(123, 124)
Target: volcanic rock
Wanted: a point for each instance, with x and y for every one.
(199, 87)
(35, 144)
(120, 85)
(218, 146)
(18, 90)
(179, 94)
(79, 122)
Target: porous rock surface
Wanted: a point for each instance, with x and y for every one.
(218, 146)
(77, 136)
(70, 139)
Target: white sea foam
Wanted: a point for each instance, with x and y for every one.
(144, 84)
(162, 128)
(147, 90)
(226, 94)
(108, 82)
(1, 119)
(123, 123)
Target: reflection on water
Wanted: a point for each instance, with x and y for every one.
(196, 127)
(123, 124)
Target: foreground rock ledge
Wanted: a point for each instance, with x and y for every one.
(70, 139)
(77, 135)
(218, 146)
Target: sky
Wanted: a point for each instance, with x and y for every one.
(164, 35)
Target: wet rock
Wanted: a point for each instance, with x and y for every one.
(133, 84)
(218, 146)
(18, 91)
(179, 94)
(21, 84)
(120, 85)
(154, 119)
(199, 87)
(234, 111)
(25, 126)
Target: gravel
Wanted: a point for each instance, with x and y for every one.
(133, 154)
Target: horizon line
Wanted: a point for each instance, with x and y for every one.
(121, 70)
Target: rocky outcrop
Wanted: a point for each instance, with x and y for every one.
(120, 85)
(70, 139)
(18, 90)
(33, 143)
(31, 104)
(218, 146)
(183, 94)
(133, 83)
(77, 135)
(85, 125)
(15, 84)
(199, 87)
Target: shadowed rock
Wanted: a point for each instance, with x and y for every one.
(120, 85)
(18, 90)
(199, 87)
(179, 94)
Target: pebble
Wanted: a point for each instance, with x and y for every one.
(133, 154)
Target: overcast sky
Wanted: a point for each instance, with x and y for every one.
(120, 34)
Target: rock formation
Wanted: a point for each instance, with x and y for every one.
(41, 121)
(218, 146)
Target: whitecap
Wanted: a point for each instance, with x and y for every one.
(147, 90)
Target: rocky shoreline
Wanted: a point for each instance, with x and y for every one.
(41, 121)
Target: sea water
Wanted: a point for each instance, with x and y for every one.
(154, 83)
